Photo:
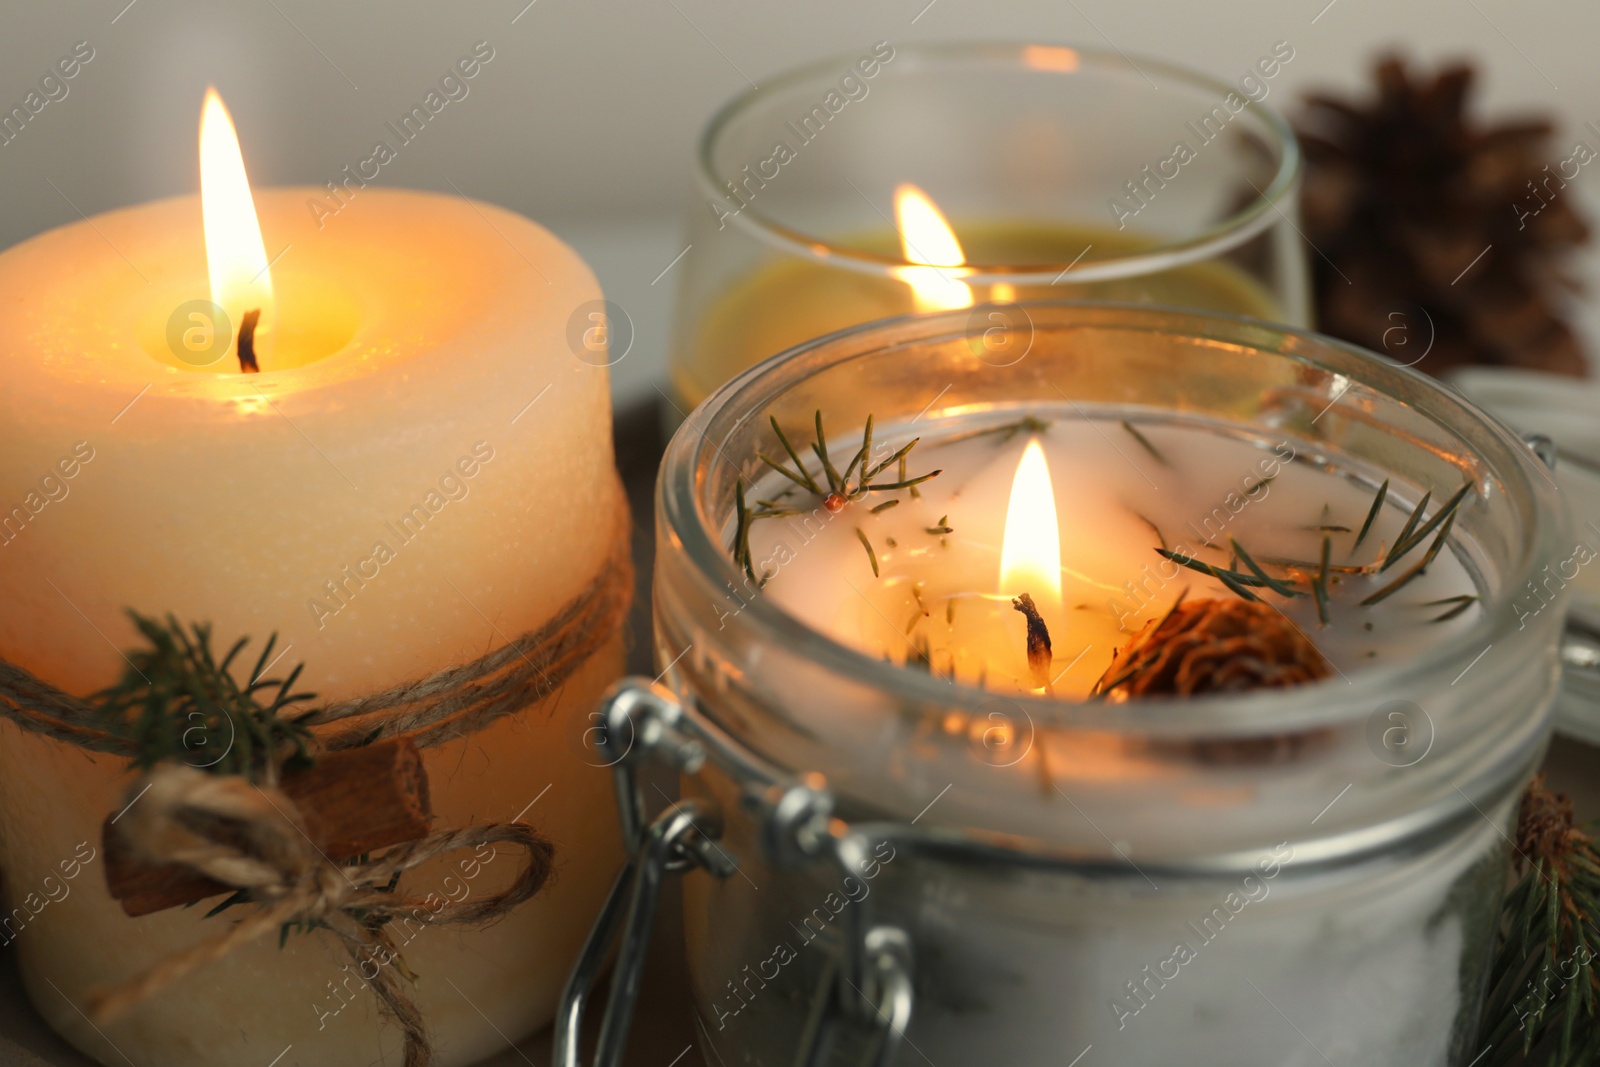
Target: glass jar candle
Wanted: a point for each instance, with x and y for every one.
(905, 861)
(913, 178)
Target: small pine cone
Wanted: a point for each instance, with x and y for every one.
(1546, 829)
(1218, 646)
(1214, 646)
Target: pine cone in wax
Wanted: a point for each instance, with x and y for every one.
(1217, 646)
(1213, 646)
(1428, 226)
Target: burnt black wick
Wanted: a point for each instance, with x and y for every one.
(247, 342)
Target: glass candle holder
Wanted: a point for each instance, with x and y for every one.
(1286, 876)
(1565, 411)
(1063, 173)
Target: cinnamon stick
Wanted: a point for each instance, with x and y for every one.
(352, 801)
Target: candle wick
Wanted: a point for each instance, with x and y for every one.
(247, 342)
(1039, 654)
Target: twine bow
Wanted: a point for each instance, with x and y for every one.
(253, 838)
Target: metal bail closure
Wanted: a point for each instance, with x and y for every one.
(1543, 446)
(861, 1024)
(637, 719)
(630, 906)
(862, 1006)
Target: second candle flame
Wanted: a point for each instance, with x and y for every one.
(926, 237)
(236, 256)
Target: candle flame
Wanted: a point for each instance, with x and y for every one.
(1030, 556)
(926, 237)
(236, 257)
(1050, 57)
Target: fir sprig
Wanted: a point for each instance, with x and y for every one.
(832, 488)
(1315, 575)
(1543, 1003)
(178, 702)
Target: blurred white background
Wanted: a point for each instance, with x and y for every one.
(587, 116)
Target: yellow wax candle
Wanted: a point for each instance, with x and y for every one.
(787, 301)
(421, 471)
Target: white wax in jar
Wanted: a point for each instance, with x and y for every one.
(1120, 494)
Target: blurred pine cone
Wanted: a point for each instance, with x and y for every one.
(1429, 227)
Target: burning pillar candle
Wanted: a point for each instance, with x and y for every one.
(417, 471)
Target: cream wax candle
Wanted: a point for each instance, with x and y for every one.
(420, 472)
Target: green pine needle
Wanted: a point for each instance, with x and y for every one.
(1405, 543)
(1411, 524)
(804, 478)
(1144, 442)
(1414, 572)
(1277, 585)
(1234, 580)
(1372, 512)
(872, 556)
(1319, 584)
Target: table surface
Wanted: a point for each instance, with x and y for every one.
(662, 1035)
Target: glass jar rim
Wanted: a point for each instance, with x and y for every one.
(1236, 229)
(682, 518)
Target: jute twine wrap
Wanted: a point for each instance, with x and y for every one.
(444, 705)
(253, 838)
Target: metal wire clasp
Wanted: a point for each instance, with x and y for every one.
(637, 720)
(865, 1002)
